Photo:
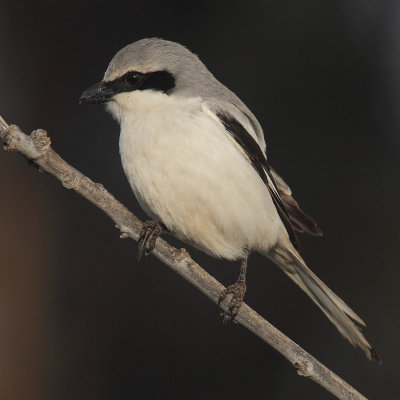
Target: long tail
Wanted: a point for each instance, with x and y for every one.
(340, 314)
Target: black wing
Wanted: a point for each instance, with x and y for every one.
(289, 211)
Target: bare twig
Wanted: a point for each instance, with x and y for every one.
(36, 147)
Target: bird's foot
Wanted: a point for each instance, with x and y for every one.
(151, 230)
(237, 291)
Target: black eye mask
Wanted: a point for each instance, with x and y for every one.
(162, 81)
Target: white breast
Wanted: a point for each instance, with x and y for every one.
(186, 172)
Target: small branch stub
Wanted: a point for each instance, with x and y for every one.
(70, 180)
(41, 140)
(303, 368)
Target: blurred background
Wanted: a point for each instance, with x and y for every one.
(80, 319)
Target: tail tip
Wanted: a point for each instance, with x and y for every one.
(374, 356)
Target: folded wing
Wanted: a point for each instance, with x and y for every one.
(293, 218)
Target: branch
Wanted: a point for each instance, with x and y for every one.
(36, 147)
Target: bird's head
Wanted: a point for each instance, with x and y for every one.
(147, 65)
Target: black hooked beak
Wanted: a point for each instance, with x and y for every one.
(96, 94)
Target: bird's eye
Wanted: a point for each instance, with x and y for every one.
(132, 78)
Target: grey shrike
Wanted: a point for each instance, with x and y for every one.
(195, 157)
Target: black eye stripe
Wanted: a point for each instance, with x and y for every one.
(161, 81)
(126, 83)
(132, 77)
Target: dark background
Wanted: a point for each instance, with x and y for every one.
(80, 319)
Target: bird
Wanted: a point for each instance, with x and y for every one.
(195, 157)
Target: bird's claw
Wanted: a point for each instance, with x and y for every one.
(237, 291)
(151, 230)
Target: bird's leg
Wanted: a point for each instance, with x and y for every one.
(151, 230)
(237, 291)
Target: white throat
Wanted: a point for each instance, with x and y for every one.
(125, 106)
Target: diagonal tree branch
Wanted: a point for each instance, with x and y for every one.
(36, 147)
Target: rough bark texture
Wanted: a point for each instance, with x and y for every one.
(36, 147)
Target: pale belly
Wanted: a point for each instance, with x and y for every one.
(186, 173)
